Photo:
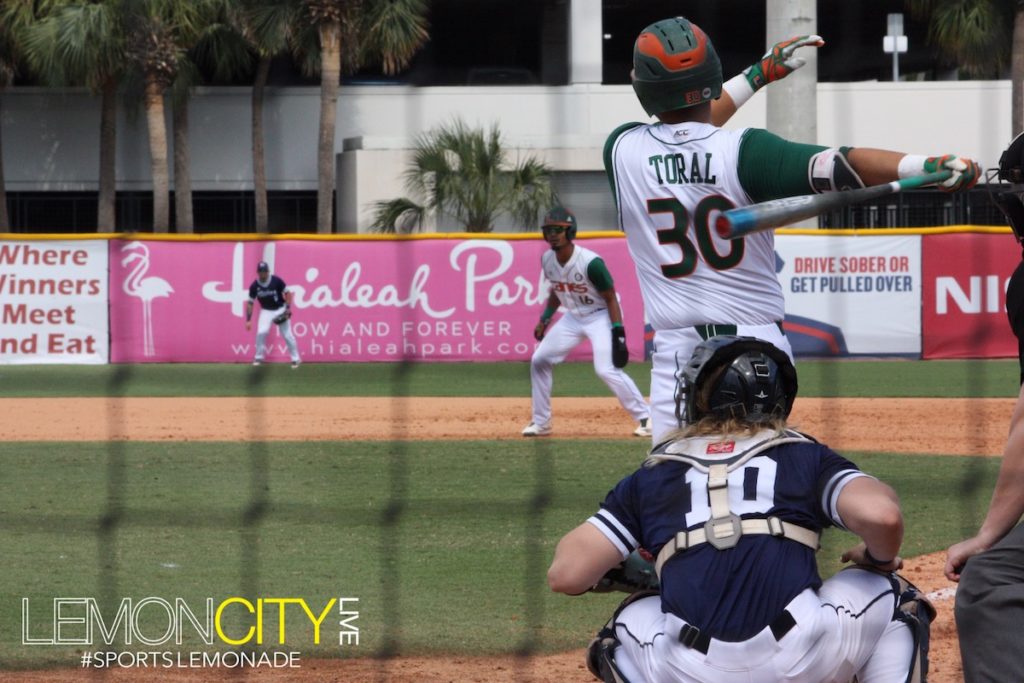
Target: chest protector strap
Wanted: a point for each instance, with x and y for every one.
(724, 528)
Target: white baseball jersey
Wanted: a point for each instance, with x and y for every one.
(670, 182)
(571, 284)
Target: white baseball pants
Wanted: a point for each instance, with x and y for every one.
(846, 628)
(672, 351)
(561, 338)
(263, 324)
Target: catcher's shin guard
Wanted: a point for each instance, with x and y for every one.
(601, 651)
(915, 610)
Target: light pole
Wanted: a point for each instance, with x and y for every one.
(895, 42)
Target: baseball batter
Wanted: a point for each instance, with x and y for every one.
(583, 287)
(673, 177)
(732, 508)
(275, 309)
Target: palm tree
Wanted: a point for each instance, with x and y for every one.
(155, 32)
(332, 36)
(15, 17)
(81, 43)
(8, 65)
(465, 173)
(218, 50)
(267, 27)
(981, 37)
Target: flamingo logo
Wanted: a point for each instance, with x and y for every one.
(145, 288)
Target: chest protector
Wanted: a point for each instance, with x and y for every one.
(724, 528)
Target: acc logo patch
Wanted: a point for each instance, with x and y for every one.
(720, 447)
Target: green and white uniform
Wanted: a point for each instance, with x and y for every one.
(578, 285)
(670, 181)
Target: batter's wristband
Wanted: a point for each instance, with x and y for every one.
(739, 89)
(874, 560)
(616, 325)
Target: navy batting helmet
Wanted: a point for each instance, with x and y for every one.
(675, 66)
(758, 383)
(561, 217)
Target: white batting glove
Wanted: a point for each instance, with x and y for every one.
(966, 172)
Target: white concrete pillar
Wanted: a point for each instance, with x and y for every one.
(586, 41)
(793, 101)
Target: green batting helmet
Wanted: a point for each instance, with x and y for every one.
(675, 66)
(560, 216)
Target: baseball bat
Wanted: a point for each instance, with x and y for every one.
(771, 214)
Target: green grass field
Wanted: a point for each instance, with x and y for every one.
(897, 378)
(444, 543)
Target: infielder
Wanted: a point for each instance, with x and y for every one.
(989, 566)
(275, 308)
(673, 177)
(583, 287)
(732, 507)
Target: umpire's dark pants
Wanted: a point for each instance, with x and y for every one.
(990, 612)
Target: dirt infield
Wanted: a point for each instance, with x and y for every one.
(936, 426)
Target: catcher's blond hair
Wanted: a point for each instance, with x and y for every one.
(728, 428)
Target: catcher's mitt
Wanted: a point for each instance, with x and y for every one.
(636, 573)
(284, 315)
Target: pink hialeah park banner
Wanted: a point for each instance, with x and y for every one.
(358, 300)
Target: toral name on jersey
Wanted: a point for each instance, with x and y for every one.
(671, 169)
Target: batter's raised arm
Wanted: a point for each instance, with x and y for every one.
(780, 61)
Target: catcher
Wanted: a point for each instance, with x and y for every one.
(275, 307)
(732, 507)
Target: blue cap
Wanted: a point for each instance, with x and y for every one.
(262, 267)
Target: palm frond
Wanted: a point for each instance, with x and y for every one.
(398, 216)
(223, 52)
(396, 30)
(461, 173)
(531, 192)
(975, 32)
(270, 24)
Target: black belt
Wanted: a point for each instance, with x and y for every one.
(691, 636)
(708, 330)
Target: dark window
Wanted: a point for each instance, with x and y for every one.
(852, 31)
(495, 42)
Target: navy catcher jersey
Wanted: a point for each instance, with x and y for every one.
(270, 294)
(730, 594)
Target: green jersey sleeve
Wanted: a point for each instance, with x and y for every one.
(771, 167)
(609, 145)
(597, 272)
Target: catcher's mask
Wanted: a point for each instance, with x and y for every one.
(757, 381)
(675, 66)
(1010, 198)
(559, 217)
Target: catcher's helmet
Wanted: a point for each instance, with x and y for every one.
(758, 383)
(675, 66)
(1011, 170)
(562, 217)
